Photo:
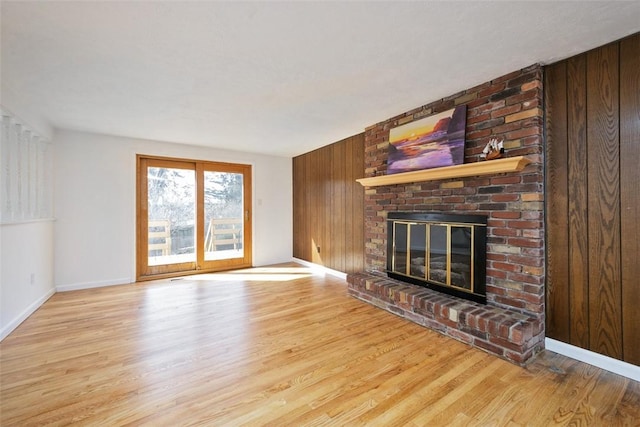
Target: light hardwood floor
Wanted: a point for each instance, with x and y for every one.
(280, 347)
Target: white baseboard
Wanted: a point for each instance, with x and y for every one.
(25, 314)
(91, 285)
(598, 360)
(321, 269)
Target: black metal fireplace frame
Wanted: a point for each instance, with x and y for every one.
(478, 222)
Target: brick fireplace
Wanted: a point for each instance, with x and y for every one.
(511, 324)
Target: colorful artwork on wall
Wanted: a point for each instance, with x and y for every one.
(432, 142)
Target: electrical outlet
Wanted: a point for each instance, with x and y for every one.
(318, 249)
(32, 279)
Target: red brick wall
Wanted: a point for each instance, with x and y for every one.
(508, 107)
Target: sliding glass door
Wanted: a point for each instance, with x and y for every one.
(193, 217)
(225, 215)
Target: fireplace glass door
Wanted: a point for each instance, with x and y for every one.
(447, 254)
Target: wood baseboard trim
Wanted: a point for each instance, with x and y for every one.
(603, 362)
(91, 285)
(25, 314)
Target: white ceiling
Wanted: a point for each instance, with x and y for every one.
(279, 78)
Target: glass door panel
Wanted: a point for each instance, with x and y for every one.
(400, 239)
(166, 206)
(171, 195)
(224, 215)
(438, 249)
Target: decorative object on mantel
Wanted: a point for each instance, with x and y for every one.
(508, 164)
(432, 142)
(493, 150)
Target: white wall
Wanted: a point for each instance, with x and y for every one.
(26, 227)
(26, 271)
(95, 196)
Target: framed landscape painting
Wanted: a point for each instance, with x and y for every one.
(433, 142)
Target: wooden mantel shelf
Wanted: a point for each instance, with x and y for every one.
(488, 167)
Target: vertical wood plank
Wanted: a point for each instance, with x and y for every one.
(311, 194)
(557, 282)
(630, 195)
(349, 190)
(304, 204)
(324, 205)
(302, 231)
(577, 192)
(300, 225)
(315, 237)
(306, 229)
(337, 215)
(604, 206)
(357, 214)
(298, 205)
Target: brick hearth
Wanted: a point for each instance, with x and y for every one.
(511, 335)
(511, 325)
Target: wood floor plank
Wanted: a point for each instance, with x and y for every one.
(275, 346)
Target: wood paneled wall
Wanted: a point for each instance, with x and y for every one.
(328, 205)
(592, 106)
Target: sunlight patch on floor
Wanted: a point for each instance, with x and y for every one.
(260, 274)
